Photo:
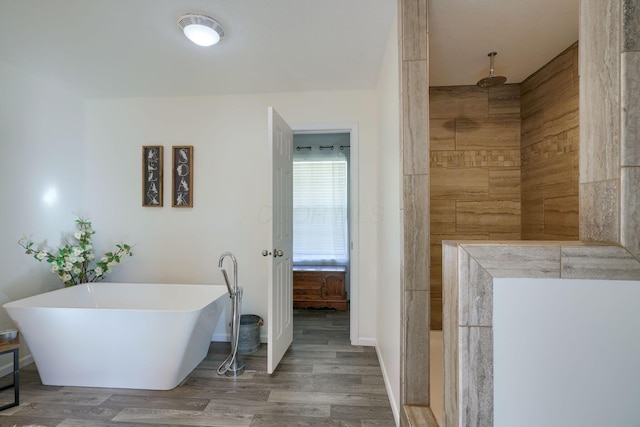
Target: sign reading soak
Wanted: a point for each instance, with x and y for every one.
(182, 194)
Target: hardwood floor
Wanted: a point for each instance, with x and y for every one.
(321, 381)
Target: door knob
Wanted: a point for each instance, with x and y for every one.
(266, 253)
(278, 252)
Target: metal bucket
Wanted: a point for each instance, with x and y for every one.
(249, 340)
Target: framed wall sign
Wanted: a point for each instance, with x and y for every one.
(152, 156)
(182, 176)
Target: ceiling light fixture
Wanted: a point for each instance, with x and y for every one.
(201, 29)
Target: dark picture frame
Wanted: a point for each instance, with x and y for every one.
(182, 176)
(152, 177)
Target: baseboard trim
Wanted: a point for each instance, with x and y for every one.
(387, 385)
(367, 342)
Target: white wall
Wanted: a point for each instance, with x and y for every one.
(389, 226)
(566, 352)
(41, 149)
(231, 166)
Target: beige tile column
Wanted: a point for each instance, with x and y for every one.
(600, 120)
(610, 122)
(414, 74)
(630, 127)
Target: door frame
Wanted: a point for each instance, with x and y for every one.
(354, 265)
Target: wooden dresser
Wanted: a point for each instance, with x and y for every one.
(319, 287)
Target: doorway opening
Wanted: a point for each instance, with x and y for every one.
(325, 231)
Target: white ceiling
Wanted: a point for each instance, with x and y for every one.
(526, 34)
(133, 48)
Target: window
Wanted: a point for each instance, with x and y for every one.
(320, 206)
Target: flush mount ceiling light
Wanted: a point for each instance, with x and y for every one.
(201, 29)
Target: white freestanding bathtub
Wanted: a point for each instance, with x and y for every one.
(119, 335)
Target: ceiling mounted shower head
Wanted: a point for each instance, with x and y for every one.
(492, 80)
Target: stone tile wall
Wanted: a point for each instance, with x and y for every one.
(630, 132)
(600, 45)
(610, 134)
(475, 170)
(550, 136)
(414, 84)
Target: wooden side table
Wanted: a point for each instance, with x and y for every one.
(12, 346)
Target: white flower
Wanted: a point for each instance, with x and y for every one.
(71, 262)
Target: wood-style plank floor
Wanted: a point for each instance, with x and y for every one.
(321, 381)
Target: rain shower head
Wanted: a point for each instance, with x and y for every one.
(492, 80)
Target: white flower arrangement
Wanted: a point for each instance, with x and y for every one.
(71, 263)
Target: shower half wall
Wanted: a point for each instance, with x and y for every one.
(504, 162)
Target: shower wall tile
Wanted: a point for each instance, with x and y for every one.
(416, 232)
(504, 183)
(631, 25)
(630, 107)
(414, 38)
(532, 130)
(488, 216)
(476, 381)
(603, 262)
(562, 217)
(475, 159)
(504, 101)
(562, 115)
(454, 184)
(416, 391)
(416, 117)
(549, 82)
(550, 146)
(532, 218)
(442, 134)
(600, 211)
(554, 177)
(599, 98)
(517, 260)
(458, 101)
(443, 216)
(487, 134)
(630, 215)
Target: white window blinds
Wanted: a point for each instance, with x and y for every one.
(320, 209)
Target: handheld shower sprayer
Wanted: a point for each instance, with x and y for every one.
(231, 289)
(226, 280)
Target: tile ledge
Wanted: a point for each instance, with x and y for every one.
(419, 416)
(525, 243)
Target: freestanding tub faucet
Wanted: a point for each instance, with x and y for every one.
(231, 366)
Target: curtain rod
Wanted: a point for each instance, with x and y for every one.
(322, 147)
